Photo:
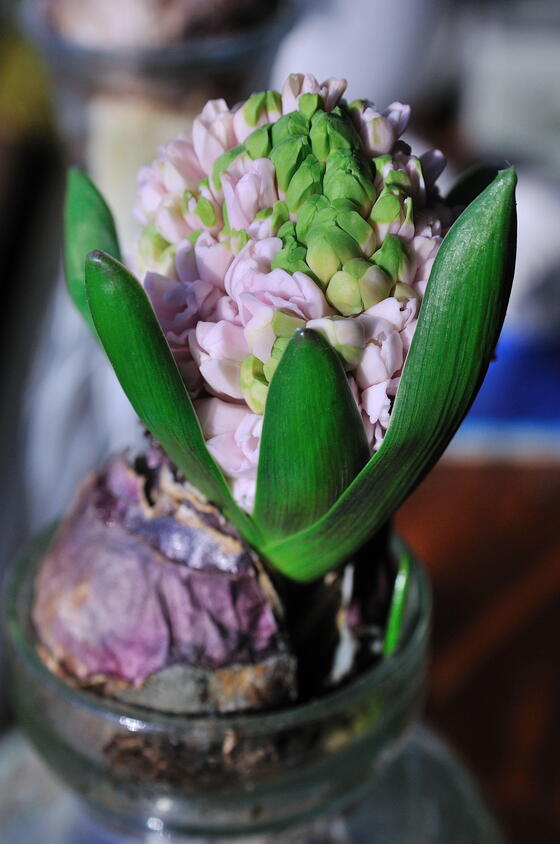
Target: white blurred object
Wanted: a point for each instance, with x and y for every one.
(534, 307)
(378, 46)
(511, 65)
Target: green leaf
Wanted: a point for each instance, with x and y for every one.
(398, 606)
(458, 327)
(88, 225)
(313, 441)
(135, 344)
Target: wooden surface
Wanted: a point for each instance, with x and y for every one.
(490, 537)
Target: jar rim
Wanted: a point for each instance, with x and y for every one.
(190, 52)
(18, 593)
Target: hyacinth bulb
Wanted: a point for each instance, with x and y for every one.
(292, 248)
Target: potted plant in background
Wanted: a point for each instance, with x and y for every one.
(223, 637)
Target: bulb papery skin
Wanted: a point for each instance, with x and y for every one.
(292, 209)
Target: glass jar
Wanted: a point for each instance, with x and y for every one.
(345, 768)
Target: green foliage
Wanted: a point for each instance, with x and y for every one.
(88, 225)
(313, 441)
(318, 500)
(135, 345)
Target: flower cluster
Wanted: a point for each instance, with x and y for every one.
(289, 210)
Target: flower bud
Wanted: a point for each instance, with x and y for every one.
(392, 213)
(259, 143)
(253, 383)
(280, 215)
(395, 258)
(307, 180)
(317, 209)
(284, 323)
(222, 163)
(376, 130)
(278, 350)
(155, 253)
(291, 258)
(287, 157)
(238, 238)
(358, 228)
(308, 104)
(328, 248)
(347, 177)
(403, 292)
(267, 104)
(294, 123)
(329, 131)
(358, 286)
(346, 336)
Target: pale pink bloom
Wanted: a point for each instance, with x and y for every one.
(376, 131)
(390, 312)
(232, 433)
(248, 186)
(218, 349)
(398, 115)
(212, 259)
(381, 358)
(170, 222)
(244, 488)
(298, 83)
(377, 404)
(192, 217)
(259, 333)
(250, 273)
(179, 305)
(212, 133)
(175, 170)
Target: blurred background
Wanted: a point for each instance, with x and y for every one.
(101, 84)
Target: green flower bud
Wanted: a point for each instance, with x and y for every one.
(307, 180)
(391, 206)
(291, 258)
(344, 335)
(259, 143)
(380, 164)
(278, 350)
(258, 104)
(284, 323)
(316, 209)
(222, 163)
(294, 123)
(355, 225)
(155, 252)
(329, 132)
(328, 248)
(347, 176)
(238, 238)
(358, 286)
(343, 292)
(402, 292)
(308, 104)
(287, 232)
(253, 383)
(193, 236)
(287, 157)
(393, 257)
(206, 211)
(280, 215)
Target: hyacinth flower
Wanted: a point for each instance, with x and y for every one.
(311, 321)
